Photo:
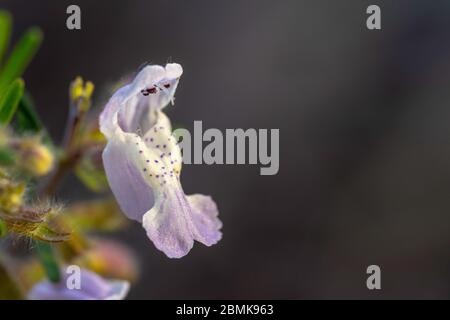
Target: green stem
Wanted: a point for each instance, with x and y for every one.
(47, 257)
(68, 162)
(71, 153)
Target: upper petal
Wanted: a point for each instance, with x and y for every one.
(107, 119)
(152, 89)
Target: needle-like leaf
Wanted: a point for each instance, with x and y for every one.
(10, 100)
(5, 32)
(20, 57)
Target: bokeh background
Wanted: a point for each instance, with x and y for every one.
(364, 126)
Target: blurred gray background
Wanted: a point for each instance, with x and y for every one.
(364, 126)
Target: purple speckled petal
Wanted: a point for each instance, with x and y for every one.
(169, 223)
(93, 287)
(176, 220)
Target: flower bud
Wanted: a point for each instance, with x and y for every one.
(81, 92)
(11, 193)
(33, 156)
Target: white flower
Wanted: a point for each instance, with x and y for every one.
(143, 163)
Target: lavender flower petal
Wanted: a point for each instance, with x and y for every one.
(132, 192)
(204, 215)
(93, 287)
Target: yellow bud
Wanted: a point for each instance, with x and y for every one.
(42, 161)
(11, 194)
(16, 195)
(34, 157)
(96, 136)
(80, 90)
(76, 88)
(88, 89)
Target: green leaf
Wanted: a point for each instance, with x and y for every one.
(7, 156)
(27, 118)
(10, 100)
(48, 261)
(20, 57)
(5, 32)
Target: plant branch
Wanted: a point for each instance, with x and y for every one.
(71, 153)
